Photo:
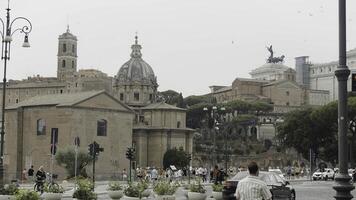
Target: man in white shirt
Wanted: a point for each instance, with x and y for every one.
(252, 187)
(154, 174)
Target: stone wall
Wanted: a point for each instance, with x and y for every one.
(71, 122)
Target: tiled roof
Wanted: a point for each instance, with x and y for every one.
(161, 106)
(56, 99)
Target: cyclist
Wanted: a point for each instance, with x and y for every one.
(40, 179)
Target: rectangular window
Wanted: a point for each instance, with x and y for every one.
(136, 96)
(101, 127)
(64, 47)
(121, 96)
(41, 127)
(151, 97)
(54, 135)
(287, 93)
(73, 48)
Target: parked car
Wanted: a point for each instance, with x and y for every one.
(279, 187)
(323, 174)
(277, 171)
(328, 174)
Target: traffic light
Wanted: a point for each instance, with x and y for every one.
(91, 149)
(130, 153)
(94, 149)
(189, 156)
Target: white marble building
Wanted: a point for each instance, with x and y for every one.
(321, 76)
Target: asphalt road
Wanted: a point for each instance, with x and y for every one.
(305, 190)
(315, 190)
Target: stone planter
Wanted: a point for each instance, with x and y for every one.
(146, 193)
(185, 192)
(217, 195)
(7, 197)
(130, 198)
(115, 194)
(165, 197)
(196, 196)
(52, 196)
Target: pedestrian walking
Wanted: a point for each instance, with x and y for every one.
(30, 173)
(252, 187)
(23, 176)
(124, 174)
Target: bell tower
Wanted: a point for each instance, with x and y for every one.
(67, 55)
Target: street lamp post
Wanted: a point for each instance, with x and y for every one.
(6, 34)
(216, 123)
(342, 185)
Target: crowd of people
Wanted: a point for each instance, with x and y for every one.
(215, 174)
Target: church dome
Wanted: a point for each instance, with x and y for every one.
(136, 69)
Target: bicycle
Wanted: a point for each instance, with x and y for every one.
(50, 183)
(39, 185)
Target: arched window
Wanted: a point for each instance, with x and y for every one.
(101, 127)
(41, 127)
(63, 63)
(72, 63)
(73, 48)
(64, 48)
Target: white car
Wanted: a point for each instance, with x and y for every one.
(351, 172)
(324, 174)
(328, 174)
(317, 175)
(277, 171)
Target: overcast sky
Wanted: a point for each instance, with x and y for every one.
(190, 44)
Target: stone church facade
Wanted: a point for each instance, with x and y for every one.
(126, 103)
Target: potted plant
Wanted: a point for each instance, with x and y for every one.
(196, 192)
(84, 190)
(217, 191)
(53, 192)
(25, 194)
(8, 191)
(185, 189)
(132, 192)
(165, 191)
(115, 190)
(145, 192)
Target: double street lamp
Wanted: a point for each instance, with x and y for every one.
(6, 34)
(217, 115)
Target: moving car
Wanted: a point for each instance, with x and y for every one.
(323, 174)
(279, 187)
(277, 171)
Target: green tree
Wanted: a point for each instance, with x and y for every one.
(176, 157)
(261, 107)
(297, 131)
(196, 115)
(180, 101)
(66, 158)
(170, 96)
(238, 106)
(193, 100)
(311, 128)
